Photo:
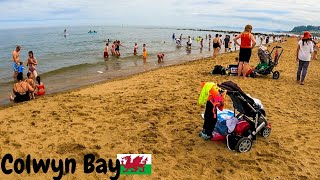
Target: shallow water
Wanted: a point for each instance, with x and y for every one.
(73, 61)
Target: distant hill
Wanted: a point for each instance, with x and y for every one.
(306, 28)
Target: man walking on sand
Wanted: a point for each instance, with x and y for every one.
(15, 61)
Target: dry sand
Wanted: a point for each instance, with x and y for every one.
(156, 112)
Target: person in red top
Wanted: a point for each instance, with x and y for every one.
(247, 43)
(40, 87)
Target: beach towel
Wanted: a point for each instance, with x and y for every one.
(257, 102)
(231, 124)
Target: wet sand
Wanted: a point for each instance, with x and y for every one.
(156, 112)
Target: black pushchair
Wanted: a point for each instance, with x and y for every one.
(267, 63)
(254, 119)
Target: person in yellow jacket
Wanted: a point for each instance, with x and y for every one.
(214, 97)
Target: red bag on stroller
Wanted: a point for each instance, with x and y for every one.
(241, 127)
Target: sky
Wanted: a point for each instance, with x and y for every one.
(224, 14)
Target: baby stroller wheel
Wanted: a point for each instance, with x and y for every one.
(244, 145)
(265, 132)
(276, 75)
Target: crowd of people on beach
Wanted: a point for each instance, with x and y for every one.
(115, 50)
(33, 86)
(213, 96)
(25, 89)
(216, 43)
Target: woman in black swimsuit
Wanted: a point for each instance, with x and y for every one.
(117, 48)
(21, 90)
(216, 46)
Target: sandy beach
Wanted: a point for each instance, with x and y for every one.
(156, 112)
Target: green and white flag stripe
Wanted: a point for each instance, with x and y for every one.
(143, 166)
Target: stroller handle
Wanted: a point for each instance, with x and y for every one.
(277, 47)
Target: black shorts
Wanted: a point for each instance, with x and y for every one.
(245, 54)
(216, 45)
(226, 45)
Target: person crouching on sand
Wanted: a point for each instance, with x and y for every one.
(30, 81)
(40, 87)
(160, 57)
(144, 53)
(21, 90)
(213, 97)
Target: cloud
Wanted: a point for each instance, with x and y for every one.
(188, 13)
(64, 11)
(266, 11)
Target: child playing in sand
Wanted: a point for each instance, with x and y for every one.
(106, 51)
(30, 81)
(160, 57)
(144, 53)
(135, 48)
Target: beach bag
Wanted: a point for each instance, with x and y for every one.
(241, 128)
(221, 127)
(218, 69)
(233, 69)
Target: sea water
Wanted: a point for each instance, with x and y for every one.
(67, 62)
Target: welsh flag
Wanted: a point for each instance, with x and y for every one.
(135, 164)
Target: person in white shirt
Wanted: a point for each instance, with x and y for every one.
(304, 51)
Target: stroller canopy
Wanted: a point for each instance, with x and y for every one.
(241, 102)
(264, 55)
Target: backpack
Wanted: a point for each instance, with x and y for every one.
(218, 69)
